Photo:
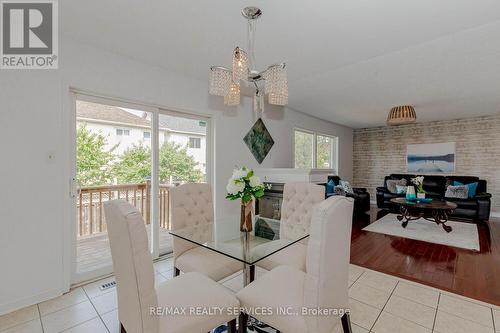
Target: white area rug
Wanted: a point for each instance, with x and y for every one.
(463, 235)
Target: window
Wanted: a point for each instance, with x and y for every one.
(324, 151)
(314, 150)
(121, 131)
(147, 135)
(304, 149)
(194, 142)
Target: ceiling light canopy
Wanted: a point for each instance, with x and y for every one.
(226, 82)
(401, 115)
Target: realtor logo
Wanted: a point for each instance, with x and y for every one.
(29, 34)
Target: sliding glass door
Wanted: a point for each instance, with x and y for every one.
(134, 153)
(182, 158)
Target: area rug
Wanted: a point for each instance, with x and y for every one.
(463, 235)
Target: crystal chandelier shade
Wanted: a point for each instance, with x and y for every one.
(220, 80)
(240, 65)
(226, 82)
(232, 97)
(278, 99)
(276, 79)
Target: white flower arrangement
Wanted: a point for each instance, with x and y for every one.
(244, 185)
(419, 183)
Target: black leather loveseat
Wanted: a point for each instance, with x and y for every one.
(475, 209)
(361, 196)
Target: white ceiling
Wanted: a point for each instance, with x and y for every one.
(349, 61)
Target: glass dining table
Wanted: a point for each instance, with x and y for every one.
(224, 237)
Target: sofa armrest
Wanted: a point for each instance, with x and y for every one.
(382, 189)
(484, 206)
(482, 196)
(359, 190)
(351, 195)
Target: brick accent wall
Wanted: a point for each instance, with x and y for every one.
(380, 151)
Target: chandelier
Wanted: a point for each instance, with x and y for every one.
(401, 115)
(226, 82)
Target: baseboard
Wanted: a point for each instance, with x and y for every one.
(22, 303)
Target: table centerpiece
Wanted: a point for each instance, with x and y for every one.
(244, 185)
(419, 183)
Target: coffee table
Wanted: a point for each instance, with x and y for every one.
(438, 210)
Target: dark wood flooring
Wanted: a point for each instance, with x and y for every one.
(469, 273)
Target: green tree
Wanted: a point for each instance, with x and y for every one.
(93, 161)
(175, 162)
(134, 166)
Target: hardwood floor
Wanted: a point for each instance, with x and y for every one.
(465, 272)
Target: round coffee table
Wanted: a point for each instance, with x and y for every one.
(413, 210)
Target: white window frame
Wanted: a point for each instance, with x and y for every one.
(335, 147)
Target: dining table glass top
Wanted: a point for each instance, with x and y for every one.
(224, 236)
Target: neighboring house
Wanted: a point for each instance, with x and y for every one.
(186, 132)
(124, 128)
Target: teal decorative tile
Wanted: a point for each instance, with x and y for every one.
(259, 140)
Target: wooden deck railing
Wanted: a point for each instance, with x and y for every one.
(90, 212)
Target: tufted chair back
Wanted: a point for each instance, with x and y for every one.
(190, 205)
(327, 261)
(133, 267)
(298, 201)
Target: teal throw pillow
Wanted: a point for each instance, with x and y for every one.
(472, 188)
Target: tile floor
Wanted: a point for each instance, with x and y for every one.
(379, 303)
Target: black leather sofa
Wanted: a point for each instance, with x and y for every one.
(474, 209)
(361, 196)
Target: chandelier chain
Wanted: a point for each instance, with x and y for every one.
(251, 43)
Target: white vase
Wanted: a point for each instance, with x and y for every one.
(420, 195)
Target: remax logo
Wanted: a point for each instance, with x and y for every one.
(29, 34)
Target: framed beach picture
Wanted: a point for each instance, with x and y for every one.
(431, 158)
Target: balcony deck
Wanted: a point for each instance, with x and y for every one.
(93, 251)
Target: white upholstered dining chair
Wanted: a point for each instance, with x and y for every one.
(137, 296)
(192, 205)
(324, 284)
(299, 198)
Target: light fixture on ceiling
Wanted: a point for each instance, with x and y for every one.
(401, 115)
(226, 82)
